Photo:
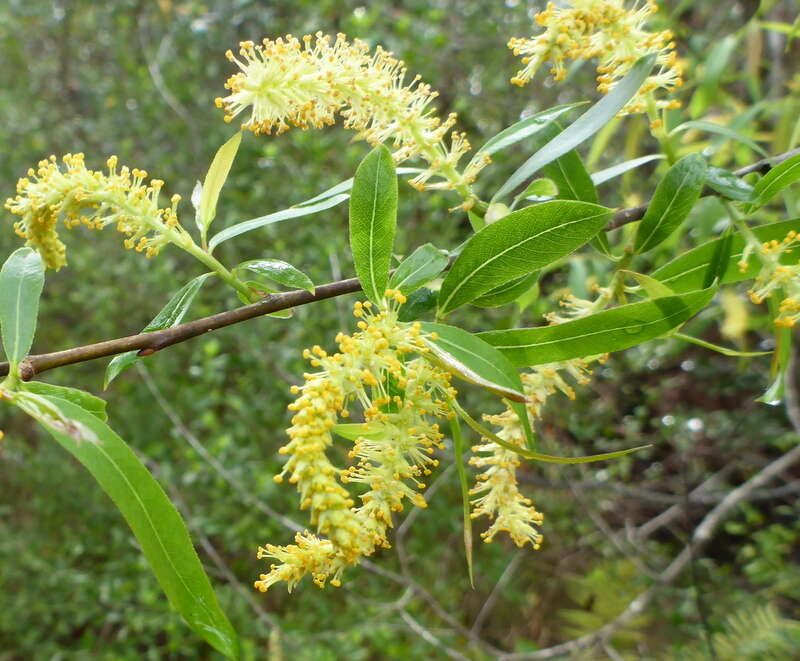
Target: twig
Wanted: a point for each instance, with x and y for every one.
(149, 343)
(428, 637)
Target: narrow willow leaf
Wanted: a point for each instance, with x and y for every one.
(419, 268)
(524, 128)
(614, 171)
(725, 351)
(286, 214)
(420, 303)
(373, 220)
(781, 359)
(520, 243)
(157, 525)
(87, 401)
(346, 185)
(458, 452)
(540, 189)
(729, 185)
(719, 129)
(276, 270)
(654, 288)
(603, 332)
(215, 179)
(471, 359)
(691, 270)
(584, 127)
(674, 198)
(538, 456)
(778, 178)
(507, 293)
(170, 315)
(352, 431)
(21, 284)
(571, 178)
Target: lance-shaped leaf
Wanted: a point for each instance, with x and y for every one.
(87, 401)
(286, 214)
(584, 127)
(611, 330)
(719, 129)
(776, 180)
(525, 128)
(21, 284)
(474, 361)
(691, 270)
(158, 527)
(420, 303)
(170, 315)
(674, 198)
(419, 268)
(518, 244)
(274, 270)
(609, 173)
(215, 179)
(373, 220)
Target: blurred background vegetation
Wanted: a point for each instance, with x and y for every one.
(138, 79)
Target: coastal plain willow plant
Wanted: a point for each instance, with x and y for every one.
(389, 391)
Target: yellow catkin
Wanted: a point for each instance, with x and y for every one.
(380, 370)
(306, 83)
(78, 196)
(611, 32)
(777, 278)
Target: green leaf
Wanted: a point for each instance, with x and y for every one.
(87, 401)
(278, 271)
(538, 456)
(420, 267)
(725, 351)
(518, 244)
(419, 304)
(471, 359)
(603, 176)
(506, 293)
(474, 361)
(170, 315)
(571, 178)
(524, 128)
(373, 220)
(691, 270)
(352, 431)
(673, 200)
(286, 214)
(729, 185)
(215, 179)
(458, 452)
(654, 288)
(21, 284)
(584, 127)
(719, 129)
(603, 332)
(346, 185)
(778, 178)
(540, 189)
(156, 524)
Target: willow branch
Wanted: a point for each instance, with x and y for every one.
(148, 343)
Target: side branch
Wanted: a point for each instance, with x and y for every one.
(149, 343)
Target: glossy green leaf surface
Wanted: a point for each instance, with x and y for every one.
(672, 201)
(517, 245)
(275, 270)
(689, 271)
(584, 127)
(729, 185)
(373, 220)
(158, 527)
(419, 268)
(719, 129)
(170, 315)
(610, 330)
(602, 176)
(21, 284)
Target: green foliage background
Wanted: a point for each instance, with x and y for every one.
(138, 79)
